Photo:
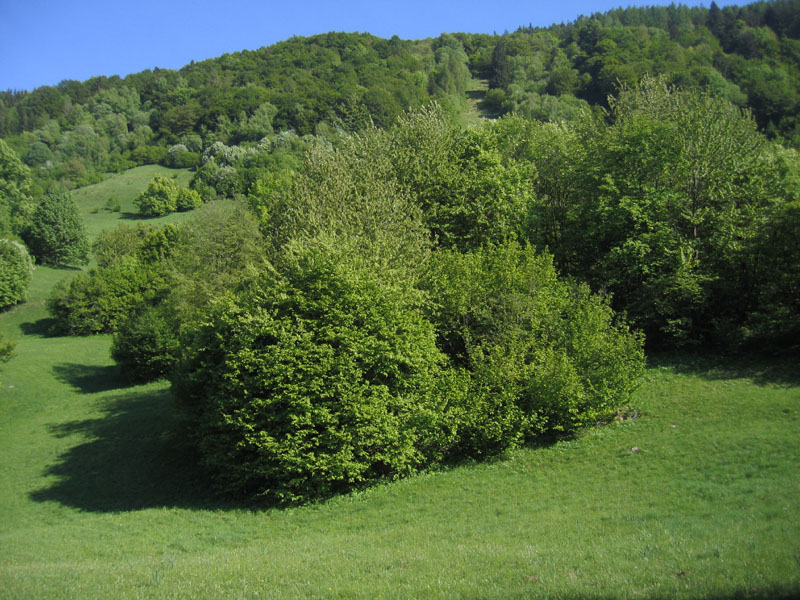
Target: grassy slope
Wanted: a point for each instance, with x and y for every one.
(474, 110)
(97, 500)
(125, 188)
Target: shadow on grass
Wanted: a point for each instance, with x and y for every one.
(128, 459)
(782, 370)
(129, 216)
(40, 328)
(90, 379)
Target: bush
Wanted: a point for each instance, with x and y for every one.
(16, 268)
(544, 354)
(187, 199)
(314, 382)
(164, 196)
(98, 301)
(146, 346)
(149, 155)
(57, 234)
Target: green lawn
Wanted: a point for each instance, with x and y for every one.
(697, 497)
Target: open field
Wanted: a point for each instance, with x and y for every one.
(698, 496)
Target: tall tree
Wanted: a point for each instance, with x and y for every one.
(57, 234)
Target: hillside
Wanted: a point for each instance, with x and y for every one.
(693, 494)
(479, 316)
(76, 130)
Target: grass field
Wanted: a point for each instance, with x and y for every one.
(696, 497)
(124, 187)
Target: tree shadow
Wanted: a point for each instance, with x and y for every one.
(762, 369)
(90, 379)
(41, 328)
(129, 216)
(128, 459)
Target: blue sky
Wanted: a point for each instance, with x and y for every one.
(43, 42)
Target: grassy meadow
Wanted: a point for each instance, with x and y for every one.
(124, 188)
(693, 493)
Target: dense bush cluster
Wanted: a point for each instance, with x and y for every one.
(331, 372)
(364, 352)
(314, 381)
(398, 299)
(98, 301)
(164, 196)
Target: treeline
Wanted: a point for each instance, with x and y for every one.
(749, 55)
(76, 131)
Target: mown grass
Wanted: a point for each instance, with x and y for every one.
(697, 497)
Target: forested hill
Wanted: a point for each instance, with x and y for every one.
(749, 55)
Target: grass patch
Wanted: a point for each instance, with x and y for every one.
(475, 109)
(99, 499)
(124, 188)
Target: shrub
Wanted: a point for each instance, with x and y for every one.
(98, 301)
(160, 197)
(164, 196)
(146, 346)
(544, 354)
(57, 234)
(16, 268)
(187, 199)
(314, 382)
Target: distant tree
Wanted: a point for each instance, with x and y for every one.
(500, 66)
(16, 267)
(57, 234)
(15, 183)
(164, 196)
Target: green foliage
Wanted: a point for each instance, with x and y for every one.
(146, 243)
(146, 345)
(16, 268)
(15, 182)
(469, 195)
(164, 196)
(100, 300)
(206, 258)
(451, 74)
(6, 350)
(351, 191)
(112, 204)
(315, 381)
(775, 314)
(57, 234)
(544, 354)
(661, 207)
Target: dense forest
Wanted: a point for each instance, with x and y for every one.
(368, 286)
